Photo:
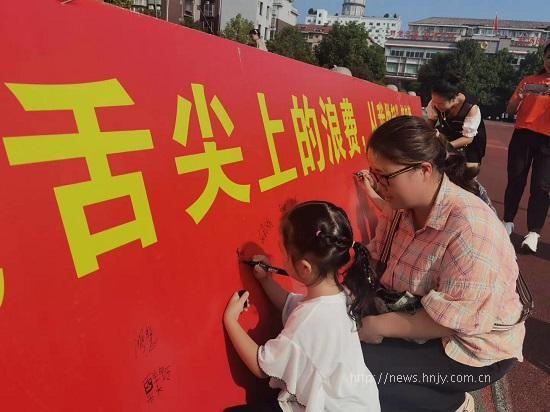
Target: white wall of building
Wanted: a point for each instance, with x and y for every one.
(320, 18)
(284, 10)
(259, 12)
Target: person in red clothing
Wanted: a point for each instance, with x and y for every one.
(530, 148)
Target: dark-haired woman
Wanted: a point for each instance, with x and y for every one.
(458, 119)
(450, 250)
(530, 145)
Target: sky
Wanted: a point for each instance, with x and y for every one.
(411, 10)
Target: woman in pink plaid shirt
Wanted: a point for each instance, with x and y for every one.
(451, 251)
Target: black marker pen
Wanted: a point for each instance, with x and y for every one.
(266, 267)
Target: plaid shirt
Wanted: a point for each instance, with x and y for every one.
(463, 266)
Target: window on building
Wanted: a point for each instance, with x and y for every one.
(261, 8)
(391, 68)
(260, 28)
(378, 24)
(411, 69)
(267, 11)
(265, 35)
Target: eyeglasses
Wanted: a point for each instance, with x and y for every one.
(385, 179)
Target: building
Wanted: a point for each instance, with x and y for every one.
(258, 12)
(529, 32)
(379, 28)
(203, 12)
(406, 52)
(284, 15)
(314, 33)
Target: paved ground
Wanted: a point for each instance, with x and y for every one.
(530, 380)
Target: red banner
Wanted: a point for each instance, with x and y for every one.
(138, 160)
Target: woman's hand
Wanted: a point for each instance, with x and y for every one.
(368, 182)
(235, 307)
(259, 273)
(369, 332)
(371, 187)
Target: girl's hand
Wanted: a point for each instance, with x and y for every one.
(369, 332)
(235, 307)
(259, 273)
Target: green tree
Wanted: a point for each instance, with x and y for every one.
(188, 22)
(237, 29)
(348, 46)
(532, 64)
(120, 3)
(291, 43)
(487, 79)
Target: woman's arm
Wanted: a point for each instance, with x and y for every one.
(369, 185)
(469, 128)
(461, 142)
(402, 325)
(516, 99)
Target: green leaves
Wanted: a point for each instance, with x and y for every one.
(348, 46)
(237, 29)
(290, 42)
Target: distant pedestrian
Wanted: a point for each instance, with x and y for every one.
(256, 37)
(530, 145)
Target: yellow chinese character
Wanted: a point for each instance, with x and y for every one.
(307, 133)
(394, 110)
(211, 159)
(332, 126)
(372, 116)
(272, 127)
(351, 127)
(93, 145)
(409, 111)
(381, 114)
(403, 110)
(388, 111)
(1, 286)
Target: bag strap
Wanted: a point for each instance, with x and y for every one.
(526, 300)
(386, 248)
(525, 296)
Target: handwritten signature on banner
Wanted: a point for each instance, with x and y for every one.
(95, 145)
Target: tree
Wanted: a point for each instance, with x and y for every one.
(488, 80)
(291, 43)
(190, 23)
(237, 29)
(120, 3)
(531, 64)
(348, 46)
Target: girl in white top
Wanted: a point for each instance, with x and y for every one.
(316, 361)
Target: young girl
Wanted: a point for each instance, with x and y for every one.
(316, 360)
